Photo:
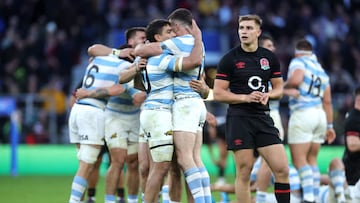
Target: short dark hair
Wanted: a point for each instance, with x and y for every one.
(264, 37)
(131, 32)
(303, 44)
(183, 15)
(155, 27)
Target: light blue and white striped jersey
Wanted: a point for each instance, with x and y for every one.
(123, 103)
(314, 83)
(161, 80)
(182, 46)
(102, 71)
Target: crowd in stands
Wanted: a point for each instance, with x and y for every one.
(43, 44)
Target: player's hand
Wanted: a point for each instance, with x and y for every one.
(254, 97)
(264, 99)
(127, 53)
(139, 98)
(211, 119)
(141, 64)
(198, 85)
(292, 92)
(81, 93)
(195, 30)
(330, 135)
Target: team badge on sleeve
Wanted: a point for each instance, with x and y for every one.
(264, 64)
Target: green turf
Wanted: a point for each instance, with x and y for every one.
(46, 172)
(53, 189)
(61, 159)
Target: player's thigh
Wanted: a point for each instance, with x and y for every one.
(113, 134)
(301, 126)
(91, 125)
(320, 131)
(188, 114)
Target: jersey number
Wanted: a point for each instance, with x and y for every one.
(90, 78)
(315, 86)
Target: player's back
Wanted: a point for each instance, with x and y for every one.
(102, 71)
(182, 46)
(314, 83)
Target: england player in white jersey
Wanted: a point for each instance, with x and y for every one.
(189, 110)
(311, 116)
(86, 126)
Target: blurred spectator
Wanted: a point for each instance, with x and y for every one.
(40, 39)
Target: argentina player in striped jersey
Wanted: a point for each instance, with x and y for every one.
(156, 114)
(311, 116)
(86, 126)
(189, 110)
(122, 122)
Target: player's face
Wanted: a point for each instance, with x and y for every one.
(166, 33)
(248, 31)
(139, 38)
(268, 44)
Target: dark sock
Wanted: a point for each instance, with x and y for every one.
(282, 192)
(221, 171)
(91, 192)
(120, 192)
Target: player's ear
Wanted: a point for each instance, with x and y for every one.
(157, 37)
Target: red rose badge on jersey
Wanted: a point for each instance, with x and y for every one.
(264, 64)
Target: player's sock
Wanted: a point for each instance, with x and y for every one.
(282, 192)
(316, 176)
(165, 194)
(91, 192)
(120, 194)
(224, 197)
(142, 197)
(110, 198)
(260, 197)
(337, 178)
(193, 179)
(132, 198)
(78, 187)
(205, 180)
(307, 183)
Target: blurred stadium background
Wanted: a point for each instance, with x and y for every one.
(43, 55)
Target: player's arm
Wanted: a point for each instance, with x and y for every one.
(132, 71)
(102, 50)
(327, 106)
(195, 58)
(277, 88)
(100, 92)
(222, 94)
(295, 79)
(148, 49)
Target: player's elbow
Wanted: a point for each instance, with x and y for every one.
(91, 49)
